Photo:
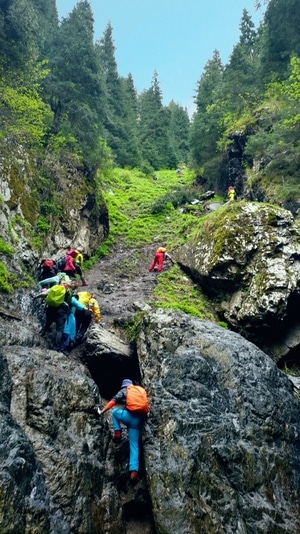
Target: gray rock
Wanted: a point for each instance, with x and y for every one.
(247, 261)
(222, 443)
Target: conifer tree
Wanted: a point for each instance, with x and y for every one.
(179, 131)
(154, 127)
(280, 37)
(119, 109)
(240, 75)
(19, 31)
(206, 126)
(74, 88)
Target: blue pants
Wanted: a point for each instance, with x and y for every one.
(133, 424)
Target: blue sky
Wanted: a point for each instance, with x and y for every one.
(174, 37)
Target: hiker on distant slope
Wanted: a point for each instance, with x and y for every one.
(231, 193)
(132, 414)
(160, 256)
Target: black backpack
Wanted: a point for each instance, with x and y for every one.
(61, 263)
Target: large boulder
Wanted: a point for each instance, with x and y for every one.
(53, 401)
(246, 257)
(222, 443)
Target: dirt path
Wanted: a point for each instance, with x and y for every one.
(121, 279)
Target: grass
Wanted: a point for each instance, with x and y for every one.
(144, 210)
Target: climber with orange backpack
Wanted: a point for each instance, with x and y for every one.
(160, 256)
(135, 408)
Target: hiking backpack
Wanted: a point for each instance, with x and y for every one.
(137, 400)
(57, 295)
(49, 264)
(61, 263)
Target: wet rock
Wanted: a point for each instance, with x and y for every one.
(222, 443)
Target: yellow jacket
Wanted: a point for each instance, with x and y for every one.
(78, 258)
(90, 302)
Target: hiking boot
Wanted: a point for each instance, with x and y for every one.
(134, 477)
(84, 283)
(80, 336)
(117, 436)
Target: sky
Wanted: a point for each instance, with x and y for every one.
(175, 38)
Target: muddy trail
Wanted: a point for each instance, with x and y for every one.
(120, 280)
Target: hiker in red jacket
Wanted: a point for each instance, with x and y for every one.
(133, 421)
(160, 256)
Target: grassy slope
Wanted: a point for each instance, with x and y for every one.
(130, 198)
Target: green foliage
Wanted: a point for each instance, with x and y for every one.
(129, 195)
(175, 199)
(5, 248)
(23, 111)
(177, 292)
(42, 226)
(5, 285)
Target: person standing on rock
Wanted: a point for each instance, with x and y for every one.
(132, 416)
(160, 256)
(231, 193)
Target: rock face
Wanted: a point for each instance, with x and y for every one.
(79, 219)
(220, 450)
(24, 500)
(222, 443)
(248, 261)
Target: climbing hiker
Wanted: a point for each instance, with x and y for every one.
(135, 408)
(84, 317)
(69, 331)
(231, 193)
(160, 256)
(54, 280)
(58, 299)
(58, 302)
(47, 269)
(78, 263)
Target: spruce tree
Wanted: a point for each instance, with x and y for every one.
(240, 75)
(74, 88)
(179, 128)
(206, 126)
(154, 128)
(119, 106)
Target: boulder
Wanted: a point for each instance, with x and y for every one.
(222, 443)
(247, 259)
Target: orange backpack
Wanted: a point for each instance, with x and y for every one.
(137, 400)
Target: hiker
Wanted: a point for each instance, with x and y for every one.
(84, 317)
(69, 331)
(231, 193)
(54, 280)
(47, 269)
(77, 258)
(132, 420)
(56, 312)
(159, 257)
